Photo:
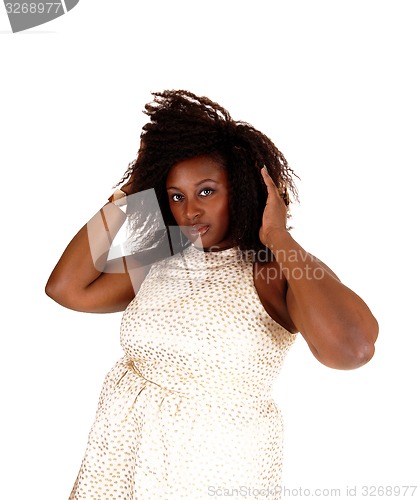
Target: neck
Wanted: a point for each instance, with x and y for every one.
(214, 248)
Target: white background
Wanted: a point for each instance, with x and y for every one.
(334, 85)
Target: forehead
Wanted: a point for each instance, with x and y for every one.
(194, 169)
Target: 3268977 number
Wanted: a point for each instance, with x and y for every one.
(33, 7)
(388, 491)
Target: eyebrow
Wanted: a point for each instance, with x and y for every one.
(197, 184)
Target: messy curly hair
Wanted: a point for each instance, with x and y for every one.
(182, 126)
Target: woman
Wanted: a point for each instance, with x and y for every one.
(214, 289)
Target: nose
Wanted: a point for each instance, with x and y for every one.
(192, 210)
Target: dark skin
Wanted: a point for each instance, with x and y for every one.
(206, 203)
(297, 290)
(336, 323)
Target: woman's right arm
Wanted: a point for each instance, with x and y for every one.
(83, 280)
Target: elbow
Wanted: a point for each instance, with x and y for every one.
(51, 289)
(354, 349)
(55, 287)
(361, 355)
(346, 357)
(363, 346)
(56, 292)
(59, 292)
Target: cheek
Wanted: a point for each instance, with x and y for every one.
(225, 209)
(223, 214)
(174, 210)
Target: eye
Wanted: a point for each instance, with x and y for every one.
(206, 191)
(176, 197)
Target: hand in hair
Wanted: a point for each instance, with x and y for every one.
(128, 187)
(275, 211)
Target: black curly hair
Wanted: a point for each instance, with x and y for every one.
(182, 126)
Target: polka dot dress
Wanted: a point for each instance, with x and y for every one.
(187, 413)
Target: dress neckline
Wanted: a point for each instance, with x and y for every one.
(196, 258)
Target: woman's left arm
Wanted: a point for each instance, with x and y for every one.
(335, 322)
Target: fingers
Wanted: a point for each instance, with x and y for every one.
(265, 173)
(267, 179)
(271, 186)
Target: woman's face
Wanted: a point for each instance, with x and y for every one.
(197, 191)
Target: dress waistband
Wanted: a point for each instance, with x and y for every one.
(177, 382)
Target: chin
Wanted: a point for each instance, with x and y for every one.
(206, 245)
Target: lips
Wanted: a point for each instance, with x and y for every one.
(198, 229)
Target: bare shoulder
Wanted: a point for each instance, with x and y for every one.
(271, 286)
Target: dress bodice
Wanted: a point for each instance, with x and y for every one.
(197, 325)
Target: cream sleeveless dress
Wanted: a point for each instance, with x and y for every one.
(187, 413)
